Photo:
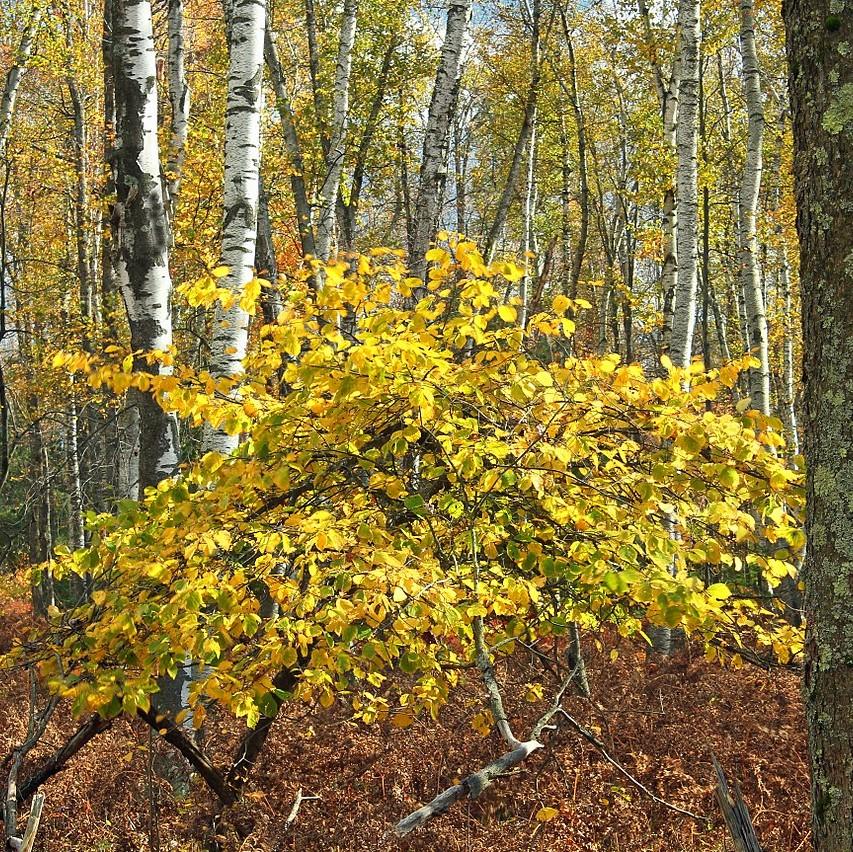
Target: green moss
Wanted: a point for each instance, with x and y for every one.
(839, 116)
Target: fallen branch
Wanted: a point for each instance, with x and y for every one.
(297, 802)
(475, 783)
(472, 787)
(27, 842)
(291, 817)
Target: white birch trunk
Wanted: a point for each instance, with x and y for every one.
(668, 91)
(14, 75)
(529, 212)
(179, 98)
(435, 138)
(525, 134)
(242, 173)
(687, 137)
(143, 258)
(337, 143)
(750, 277)
(82, 223)
(291, 143)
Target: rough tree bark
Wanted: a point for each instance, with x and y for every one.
(821, 88)
(788, 410)
(266, 262)
(583, 166)
(347, 211)
(291, 144)
(522, 143)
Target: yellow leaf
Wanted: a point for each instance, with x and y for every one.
(720, 591)
(507, 313)
(222, 539)
(437, 254)
(482, 722)
(560, 304)
(402, 719)
(546, 814)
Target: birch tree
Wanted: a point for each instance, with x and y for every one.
(143, 253)
(241, 193)
(291, 142)
(14, 74)
(441, 109)
(687, 140)
(336, 148)
(750, 275)
(179, 99)
(525, 134)
(667, 88)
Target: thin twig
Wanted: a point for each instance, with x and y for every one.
(590, 737)
(297, 802)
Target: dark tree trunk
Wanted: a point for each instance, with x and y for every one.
(821, 86)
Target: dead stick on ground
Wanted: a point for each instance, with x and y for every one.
(297, 802)
(28, 840)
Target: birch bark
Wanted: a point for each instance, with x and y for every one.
(337, 142)
(14, 75)
(179, 98)
(522, 143)
(291, 143)
(750, 277)
(440, 114)
(684, 314)
(241, 192)
(668, 93)
(143, 256)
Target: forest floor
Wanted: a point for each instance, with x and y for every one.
(660, 719)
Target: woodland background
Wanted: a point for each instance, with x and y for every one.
(625, 168)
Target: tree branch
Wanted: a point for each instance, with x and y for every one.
(93, 726)
(472, 786)
(173, 735)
